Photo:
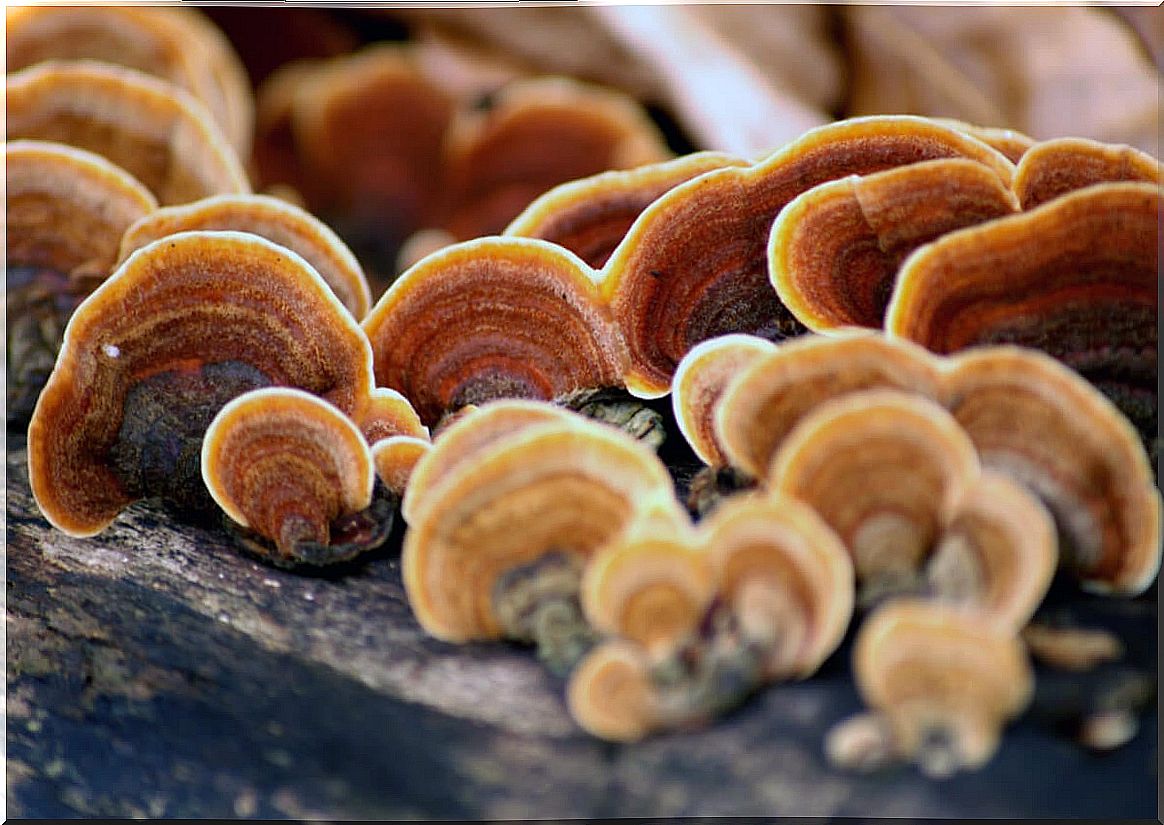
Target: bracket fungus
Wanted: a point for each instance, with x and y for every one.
(1076, 277)
(269, 217)
(884, 469)
(65, 211)
(1055, 167)
(387, 413)
(178, 45)
(1010, 142)
(499, 547)
(151, 128)
(395, 457)
(590, 216)
(610, 694)
(493, 318)
(834, 250)
(941, 686)
(1041, 423)
(294, 473)
(184, 325)
(694, 264)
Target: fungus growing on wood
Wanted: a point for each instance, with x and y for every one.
(1076, 277)
(395, 457)
(610, 694)
(591, 216)
(297, 473)
(694, 264)
(761, 405)
(184, 325)
(493, 318)
(885, 470)
(151, 128)
(274, 219)
(1036, 420)
(387, 413)
(1055, 167)
(834, 251)
(65, 211)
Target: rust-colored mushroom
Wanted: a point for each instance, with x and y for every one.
(1033, 418)
(761, 405)
(493, 318)
(883, 468)
(1012, 143)
(834, 250)
(275, 158)
(531, 136)
(694, 264)
(176, 44)
(591, 216)
(1055, 167)
(274, 219)
(290, 466)
(65, 211)
(395, 457)
(151, 128)
(387, 413)
(1077, 277)
(184, 325)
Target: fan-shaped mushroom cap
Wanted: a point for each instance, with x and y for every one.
(998, 553)
(286, 464)
(694, 264)
(396, 456)
(835, 250)
(787, 577)
(274, 219)
(935, 670)
(652, 590)
(189, 300)
(387, 413)
(765, 400)
(567, 487)
(67, 208)
(176, 44)
(592, 215)
(699, 383)
(884, 469)
(151, 128)
(610, 694)
(1076, 277)
(1033, 418)
(493, 318)
(1056, 167)
(534, 135)
(1011, 143)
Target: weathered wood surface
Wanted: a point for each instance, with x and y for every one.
(153, 671)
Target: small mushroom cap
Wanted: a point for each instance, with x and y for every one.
(1036, 420)
(493, 318)
(998, 553)
(275, 159)
(834, 250)
(66, 207)
(761, 405)
(387, 413)
(654, 591)
(694, 264)
(396, 456)
(175, 44)
(534, 135)
(610, 693)
(1011, 143)
(1056, 167)
(286, 464)
(189, 299)
(884, 469)
(274, 219)
(927, 664)
(781, 548)
(699, 384)
(592, 215)
(569, 486)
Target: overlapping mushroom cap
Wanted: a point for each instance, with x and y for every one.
(1055, 167)
(176, 44)
(274, 219)
(493, 318)
(610, 693)
(694, 264)
(186, 323)
(834, 251)
(150, 127)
